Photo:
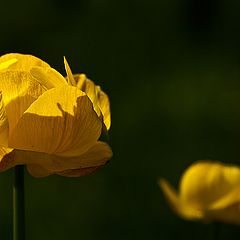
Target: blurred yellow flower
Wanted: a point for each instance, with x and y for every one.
(209, 191)
(50, 123)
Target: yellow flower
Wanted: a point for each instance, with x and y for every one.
(209, 191)
(50, 124)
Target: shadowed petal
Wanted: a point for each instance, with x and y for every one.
(42, 164)
(61, 121)
(78, 172)
(99, 99)
(38, 171)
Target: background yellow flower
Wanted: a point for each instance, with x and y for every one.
(208, 191)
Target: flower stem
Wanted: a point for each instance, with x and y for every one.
(18, 204)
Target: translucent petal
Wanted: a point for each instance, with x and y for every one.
(78, 172)
(99, 99)
(180, 208)
(46, 164)
(5, 65)
(61, 121)
(24, 61)
(19, 90)
(104, 105)
(48, 77)
(205, 182)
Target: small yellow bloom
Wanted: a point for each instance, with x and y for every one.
(50, 123)
(209, 191)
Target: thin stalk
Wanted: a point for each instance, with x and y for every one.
(18, 204)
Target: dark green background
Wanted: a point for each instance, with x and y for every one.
(172, 71)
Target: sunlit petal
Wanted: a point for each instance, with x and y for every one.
(61, 121)
(24, 61)
(48, 77)
(19, 91)
(5, 65)
(70, 77)
(45, 164)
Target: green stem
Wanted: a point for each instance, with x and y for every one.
(18, 204)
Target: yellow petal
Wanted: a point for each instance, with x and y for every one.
(104, 105)
(61, 121)
(24, 61)
(176, 204)
(48, 77)
(78, 172)
(19, 90)
(205, 182)
(80, 80)
(71, 80)
(38, 171)
(6, 158)
(229, 214)
(7, 64)
(227, 200)
(42, 164)
(87, 163)
(3, 124)
(99, 99)
(97, 155)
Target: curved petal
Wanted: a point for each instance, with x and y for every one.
(24, 61)
(19, 90)
(99, 99)
(104, 105)
(6, 64)
(6, 158)
(205, 182)
(48, 77)
(78, 172)
(38, 171)
(42, 164)
(184, 211)
(61, 121)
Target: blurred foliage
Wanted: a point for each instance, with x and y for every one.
(172, 71)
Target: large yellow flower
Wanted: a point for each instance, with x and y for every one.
(209, 191)
(50, 123)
